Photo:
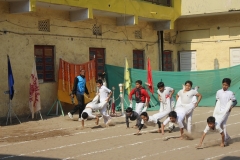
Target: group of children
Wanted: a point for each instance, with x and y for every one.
(187, 100)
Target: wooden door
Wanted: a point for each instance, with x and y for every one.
(167, 61)
(138, 59)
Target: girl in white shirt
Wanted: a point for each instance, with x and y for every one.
(185, 97)
(224, 96)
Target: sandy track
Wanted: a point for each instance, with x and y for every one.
(62, 138)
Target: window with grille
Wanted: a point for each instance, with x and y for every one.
(97, 30)
(167, 61)
(138, 59)
(45, 63)
(138, 34)
(44, 25)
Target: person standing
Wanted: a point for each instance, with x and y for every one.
(166, 101)
(79, 88)
(224, 96)
(104, 96)
(185, 99)
(141, 97)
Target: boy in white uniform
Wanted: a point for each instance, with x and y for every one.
(104, 96)
(176, 117)
(186, 100)
(87, 112)
(150, 120)
(224, 96)
(163, 94)
(166, 100)
(212, 125)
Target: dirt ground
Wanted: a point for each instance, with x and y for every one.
(62, 138)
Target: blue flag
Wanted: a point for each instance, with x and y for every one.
(10, 80)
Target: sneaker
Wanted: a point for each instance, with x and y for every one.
(108, 122)
(227, 141)
(171, 129)
(70, 115)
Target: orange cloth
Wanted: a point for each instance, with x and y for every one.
(66, 75)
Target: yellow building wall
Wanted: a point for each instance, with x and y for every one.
(198, 7)
(138, 8)
(211, 37)
(71, 43)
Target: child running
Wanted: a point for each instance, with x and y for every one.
(185, 99)
(141, 97)
(225, 102)
(212, 125)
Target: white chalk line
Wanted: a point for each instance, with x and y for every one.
(70, 145)
(66, 135)
(74, 144)
(180, 148)
(206, 120)
(101, 151)
(78, 133)
(156, 154)
(211, 111)
(36, 133)
(113, 148)
(221, 155)
(98, 130)
(55, 136)
(68, 128)
(57, 129)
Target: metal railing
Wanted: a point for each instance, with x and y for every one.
(167, 3)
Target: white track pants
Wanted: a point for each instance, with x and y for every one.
(139, 108)
(224, 126)
(104, 113)
(189, 108)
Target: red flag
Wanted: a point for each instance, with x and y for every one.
(149, 77)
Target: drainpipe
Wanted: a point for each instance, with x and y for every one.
(160, 49)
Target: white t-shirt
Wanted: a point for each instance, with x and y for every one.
(103, 92)
(224, 97)
(89, 112)
(152, 121)
(179, 121)
(167, 91)
(187, 97)
(216, 129)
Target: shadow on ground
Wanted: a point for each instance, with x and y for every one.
(26, 157)
(230, 158)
